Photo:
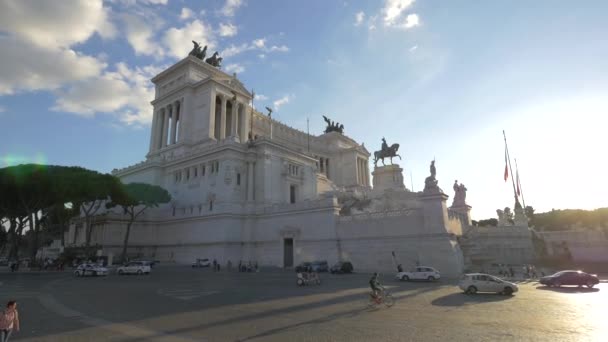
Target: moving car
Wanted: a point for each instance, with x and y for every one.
(84, 270)
(342, 267)
(419, 273)
(579, 278)
(479, 282)
(201, 263)
(134, 267)
(320, 266)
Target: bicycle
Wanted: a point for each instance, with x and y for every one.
(384, 297)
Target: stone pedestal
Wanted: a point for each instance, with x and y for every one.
(388, 177)
(519, 218)
(464, 212)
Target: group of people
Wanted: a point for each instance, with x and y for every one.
(528, 271)
(242, 266)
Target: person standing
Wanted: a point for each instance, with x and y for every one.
(9, 321)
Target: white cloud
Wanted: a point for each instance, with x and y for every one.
(281, 48)
(140, 36)
(230, 7)
(261, 97)
(259, 43)
(413, 48)
(227, 30)
(52, 24)
(359, 17)
(235, 67)
(124, 92)
(393, 9)
(178, 40)
(282, 101)
(410, 21)
(2, 109)
(28, 67)
(143, 2)
(262, 56)
(186, 14)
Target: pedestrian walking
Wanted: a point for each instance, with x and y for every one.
(214, 265)
(9, 321)
(512, 272)
(240, 265)
(229, 265)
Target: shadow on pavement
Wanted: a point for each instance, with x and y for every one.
(569, 289)
(459, 299)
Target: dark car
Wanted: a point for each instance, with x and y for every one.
(304, 267)
(320, 266)
(342, 267)
(570, 278)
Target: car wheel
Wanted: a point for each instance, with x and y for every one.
(139, 272)
(557, 284)
(590, 284)
(94, 274)
(507, 291)
(405, 278)
(472, 290)
(120, 272)
(300, 282)
(431, 278)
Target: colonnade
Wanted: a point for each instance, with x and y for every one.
(362, 172)
(324, 166)
(228, 118)
(166, 125)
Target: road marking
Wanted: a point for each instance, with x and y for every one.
(185, 294)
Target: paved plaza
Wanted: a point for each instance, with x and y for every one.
(178, 303)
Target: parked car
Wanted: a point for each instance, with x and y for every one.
(342, 267)
(419, 273)
(134, 267)
(201, 263)
(84, 270)
(303, 267)
(479, 282)
(320, 266)
(579, 278)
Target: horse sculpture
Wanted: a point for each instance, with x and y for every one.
(388, 152)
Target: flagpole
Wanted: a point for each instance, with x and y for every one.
(510, 169)
(521, 190)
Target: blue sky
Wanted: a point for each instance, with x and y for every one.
(442, 79)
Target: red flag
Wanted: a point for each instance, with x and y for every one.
(517, 181)
(506, 169)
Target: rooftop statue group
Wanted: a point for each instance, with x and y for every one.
(199, 53)
(386, 152)
(333, 126)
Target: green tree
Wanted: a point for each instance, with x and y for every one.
(136, 198)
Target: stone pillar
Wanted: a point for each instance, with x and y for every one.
(250, 166)
(212, 115)
(223, 118)
(235, 119)
(153, 131)
(165, 127)
(327, 167)
(173, 111)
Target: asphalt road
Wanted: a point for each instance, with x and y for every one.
(177, 303)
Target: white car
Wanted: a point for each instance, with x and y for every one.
(90, 270)
(419, 273)
(479, 282)
(134, 267)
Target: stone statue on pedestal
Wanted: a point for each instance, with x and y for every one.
(333, 126)
(460, 195)
(386, 152)
(430, 183)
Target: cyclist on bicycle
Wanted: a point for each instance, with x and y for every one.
(374, 283)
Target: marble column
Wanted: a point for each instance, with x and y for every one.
(173, 111)
(223, 118)
(153, 131)
(250, 166)
(212, 115)
(327, 167)
(165, 127)
(235, 106)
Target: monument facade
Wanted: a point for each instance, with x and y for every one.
(248, 187)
